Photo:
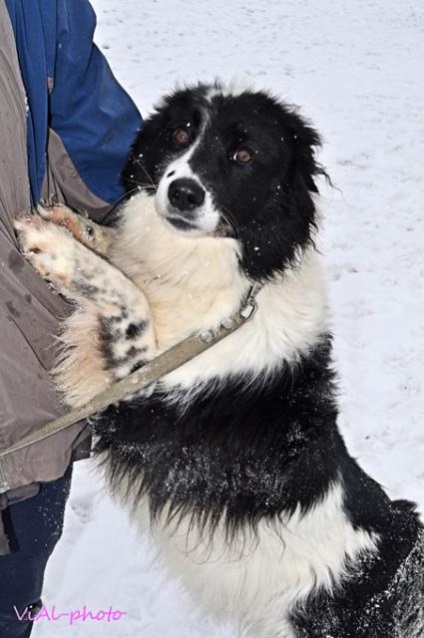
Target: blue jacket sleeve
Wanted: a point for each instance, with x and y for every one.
(92, 114)
(95, 118)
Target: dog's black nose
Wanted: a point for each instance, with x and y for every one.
(186, 194)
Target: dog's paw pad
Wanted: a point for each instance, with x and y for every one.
(47, 247)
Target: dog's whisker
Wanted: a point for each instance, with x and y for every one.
(141, 185)
(230, 219)
(145, 171)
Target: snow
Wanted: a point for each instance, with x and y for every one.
(354, 68)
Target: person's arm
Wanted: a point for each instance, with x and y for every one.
(89, 111)
(78, 110)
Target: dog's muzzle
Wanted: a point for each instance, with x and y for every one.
(185, 199)
(186, 205)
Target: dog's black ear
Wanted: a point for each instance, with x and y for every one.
(304, 142)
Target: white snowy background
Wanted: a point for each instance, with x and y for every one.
(356, 69)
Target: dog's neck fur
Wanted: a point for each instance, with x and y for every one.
(188, 281)
(193, 284)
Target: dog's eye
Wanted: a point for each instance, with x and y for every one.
(181, 137)
(243, 156)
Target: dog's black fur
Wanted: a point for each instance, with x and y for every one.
(242, 452)
(280, 448)
(248, 448)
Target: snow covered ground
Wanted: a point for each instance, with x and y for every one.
(354, 68)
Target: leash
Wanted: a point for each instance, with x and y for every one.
(151, 372)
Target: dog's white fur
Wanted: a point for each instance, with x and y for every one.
(192, 285)
(207, 216)
(256, 580)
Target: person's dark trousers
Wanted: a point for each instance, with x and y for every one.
(33, 527)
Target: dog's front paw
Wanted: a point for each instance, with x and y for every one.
(84, 230)
(49, 248)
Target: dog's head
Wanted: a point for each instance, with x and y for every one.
(227, 164)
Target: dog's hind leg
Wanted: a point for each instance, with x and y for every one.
(112, 333)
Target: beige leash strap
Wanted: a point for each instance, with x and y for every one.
(150, 373)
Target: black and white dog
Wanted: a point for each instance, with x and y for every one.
(235, 460)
